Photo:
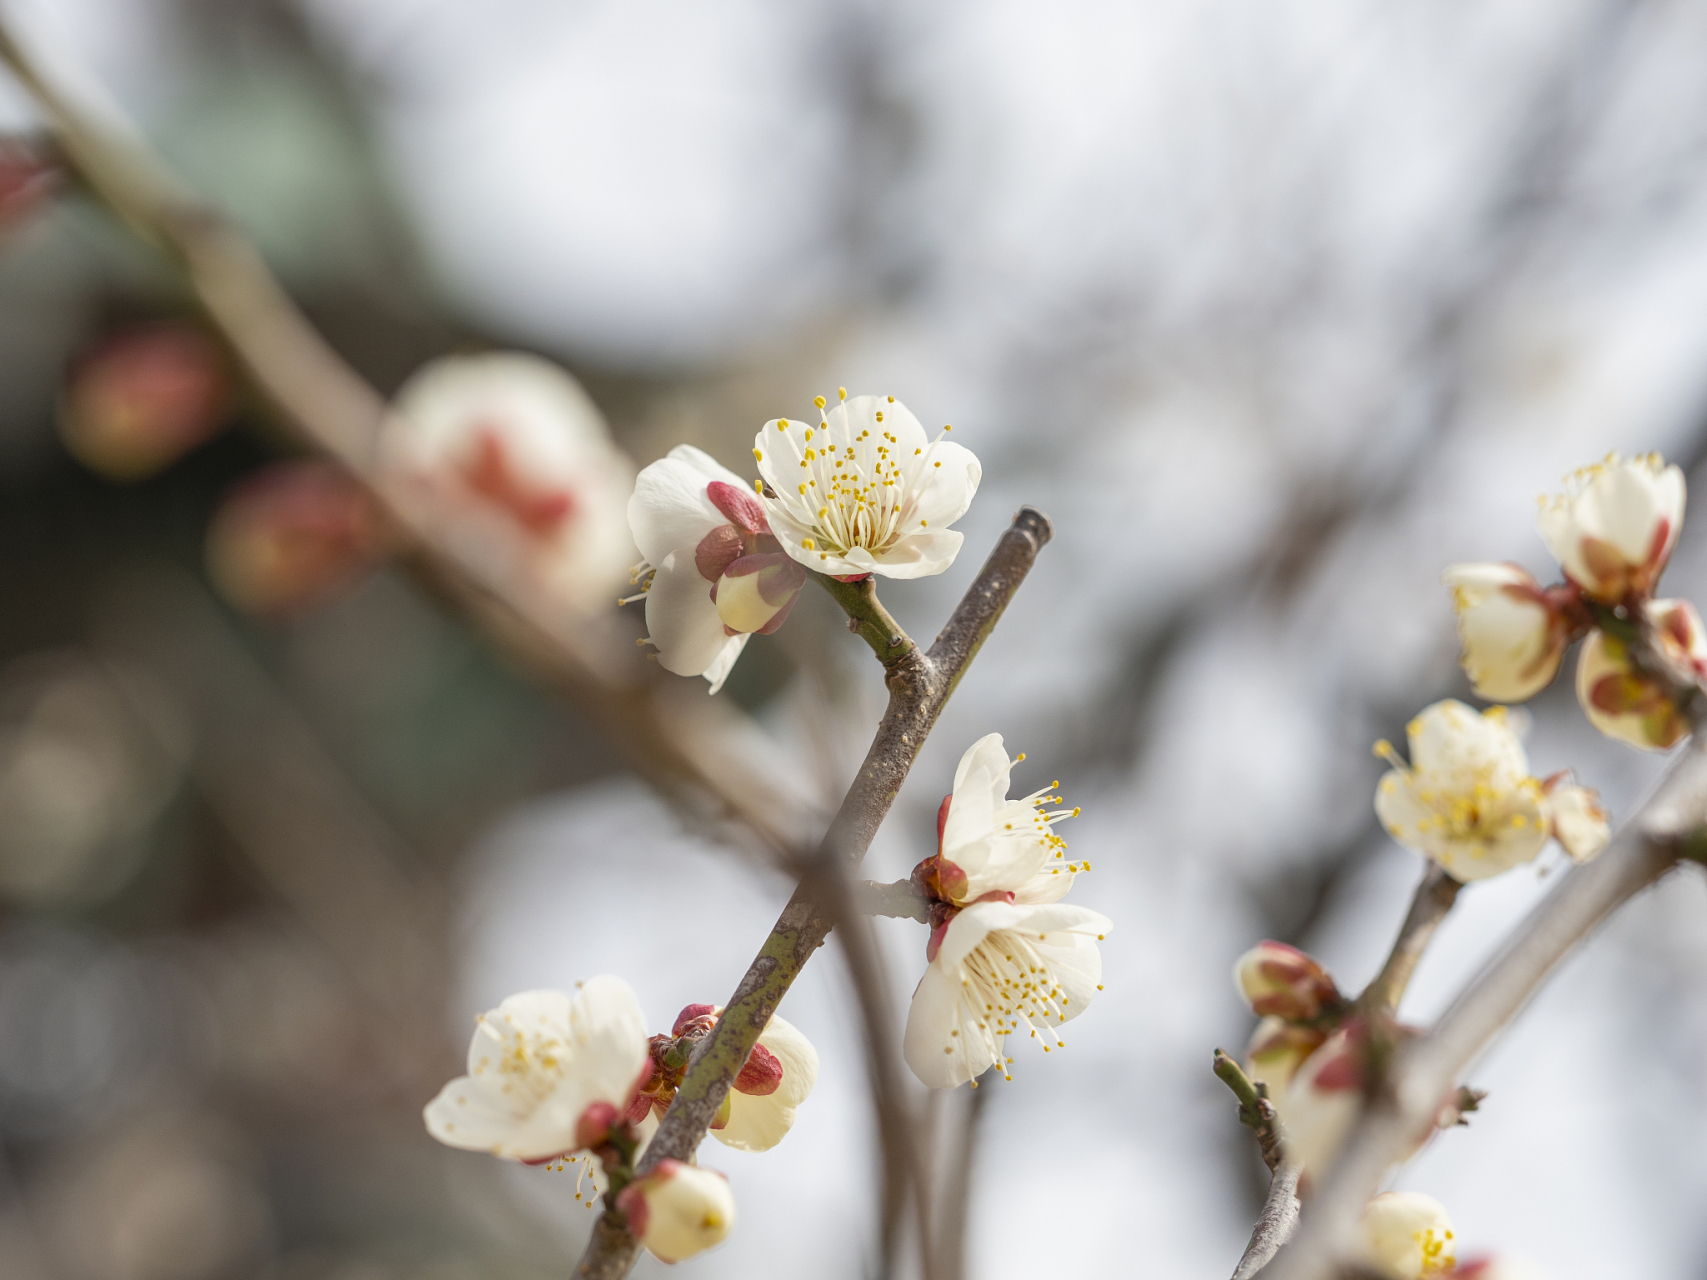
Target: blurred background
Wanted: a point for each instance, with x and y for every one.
(1276, 306)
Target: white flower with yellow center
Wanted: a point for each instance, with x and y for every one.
(1513, 632)
(1005, 955)
(1407, 1236)
(1614, 527)
(864, 491)
(1466, 799)
(548, 1074)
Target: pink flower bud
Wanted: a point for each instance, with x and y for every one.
(290, 536)
(1628, 704)
(595, 1124)
(1614, 527)
(1513, 633)
(1281, 981)
(695, 1016)
(25, 183)
(678, 1209)
(761, 1074)
(142, 398)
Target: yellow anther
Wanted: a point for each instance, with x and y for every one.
(842, 392)
(757, 456)
(819, 401)
(808, 544)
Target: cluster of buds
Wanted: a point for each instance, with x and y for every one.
(759, 1109)
(1612, 531)
(863, 492)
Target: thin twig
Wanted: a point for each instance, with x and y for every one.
(1434, 898)
(919, 684)
(899, 899)
(1424, 1070)
(954, 1211)
(1275, 1224)
(1256, 1112)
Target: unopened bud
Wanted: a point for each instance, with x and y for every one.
(1407, 1236)
(756, 592)
(139, 400)
(290, 536)
(1629, 704)
(1282, 982)
(1513, 633)
(678, 1209)
(1278, 1048)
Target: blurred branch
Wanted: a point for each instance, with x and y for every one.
(1434, 898)
(954, 1209)
(898, 899)
(1407, 1100)
(1275, 1224)
(919, 685)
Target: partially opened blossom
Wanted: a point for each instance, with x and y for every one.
(1629, 704)
(1004, 954)
(1614, 527)
(864, 491)
(142, 398)
(514, 464)
(1278, 1048)
(1512, 631)
(1281, 981)
(292, 535)
(759, 1111)
(548, 1074)
(711, 573)
(1466, 799)
(678, 1209)
(1406, 1235)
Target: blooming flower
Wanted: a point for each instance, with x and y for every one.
(142, 398)
(1004, 953)
(290, 536)
(759, 1111)
(1614, 527)
(1628, 704)
(1281, 981)
(1512, 632)
(678, 1209)
(516, 455)
(864, 491)
(1466, 800)
(1407, 1235)
(696, 523)
(547, 1074)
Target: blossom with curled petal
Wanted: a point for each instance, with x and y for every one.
(1614, 527)
(678, 1210)
(864, 491)
(1466, 799)
(1626, 703)
(759, 1111)
(512, 461)
(1406, 1235)
(1512, 631)
(548, 1074)
(712, 574)
(1004, 953)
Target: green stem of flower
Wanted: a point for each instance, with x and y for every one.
(868, 619)
(1256, 1112)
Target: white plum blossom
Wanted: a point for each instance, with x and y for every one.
(1513, 633)
(865, 491)
(759, 1110)
(548, 1074)
(1624, 702)
(1614, 527)
(1004, 953)
(1467, 800)
(678, 1210)
(712, 573)
(1406, 1235)
(513, 462)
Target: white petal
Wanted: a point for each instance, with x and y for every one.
(724, 663)
(989, 755)
(681, 619)
(977, 921)
(937, 1009)
(947, 490)
(756, 1123)
(670, 510)
(798, 1058)
(919, 555)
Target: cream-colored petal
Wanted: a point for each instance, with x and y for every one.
(670, 509)
(940, 1059)
(681, 619)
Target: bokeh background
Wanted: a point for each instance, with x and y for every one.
(1276, 306)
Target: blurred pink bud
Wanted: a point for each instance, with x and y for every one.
(1501, 1266)
(1281, 981)
(291, 536)
(26, 182)
(1615, 525)
(139, 400)
(678, 1209)
(1512, 632)
(1628, 704)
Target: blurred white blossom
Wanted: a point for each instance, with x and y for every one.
(1407, 1235)
(1614, 527)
